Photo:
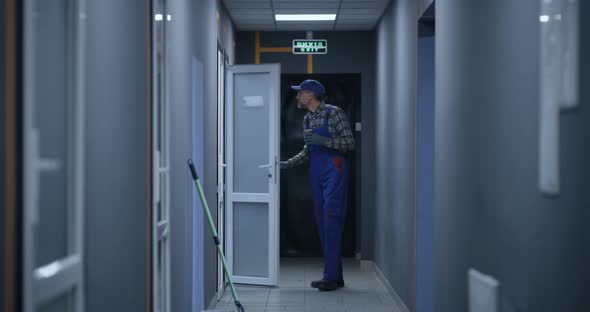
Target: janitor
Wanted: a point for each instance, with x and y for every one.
(328, 138)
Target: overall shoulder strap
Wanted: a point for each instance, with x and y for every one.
(328, 113)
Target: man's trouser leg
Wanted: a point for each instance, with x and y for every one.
(334, 212)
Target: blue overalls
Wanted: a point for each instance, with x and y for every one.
(328, 181)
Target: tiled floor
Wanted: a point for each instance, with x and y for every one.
(363, 291)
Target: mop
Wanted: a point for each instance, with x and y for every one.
(239, 306)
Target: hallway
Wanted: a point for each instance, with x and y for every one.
(363, 291)
(442, 149)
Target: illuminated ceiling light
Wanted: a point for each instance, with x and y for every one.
(305, 17)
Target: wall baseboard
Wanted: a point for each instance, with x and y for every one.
(212, 303)
(389, 288)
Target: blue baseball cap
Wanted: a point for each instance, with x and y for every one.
(310, 85)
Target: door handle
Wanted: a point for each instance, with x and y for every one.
(267, 166)
(162, 230)
(47, 165)
(38, 165)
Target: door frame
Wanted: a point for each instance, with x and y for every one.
(221, 139)
(13, 169)
(160, 161)
(354, 159)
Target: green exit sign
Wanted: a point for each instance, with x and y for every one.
(310, 46)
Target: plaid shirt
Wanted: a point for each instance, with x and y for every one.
(342, 138)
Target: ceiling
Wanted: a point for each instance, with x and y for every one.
(259, 14)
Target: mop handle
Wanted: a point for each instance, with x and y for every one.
(193, 170)
(239, 306)
(198, 183)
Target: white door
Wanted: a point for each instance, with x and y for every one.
(161, 162)
(53, 156)
(253, 133)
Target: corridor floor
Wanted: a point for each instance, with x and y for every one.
(363, 291)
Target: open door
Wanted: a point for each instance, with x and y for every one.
(253, 177)
(53, 262)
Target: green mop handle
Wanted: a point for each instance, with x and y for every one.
(239, 306)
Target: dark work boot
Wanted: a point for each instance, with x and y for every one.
(325, 285)
(315, 284)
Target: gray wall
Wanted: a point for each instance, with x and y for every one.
(396, 83)
(117, 136)
(342, 57)
(116, 156)
(204, 48)
(489, 212)
(179, 79)
(193, 33)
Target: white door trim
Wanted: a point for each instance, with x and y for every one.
(220, 169)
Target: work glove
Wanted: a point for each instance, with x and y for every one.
(284, 164)
(316, 139)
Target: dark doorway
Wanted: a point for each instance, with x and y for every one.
(299, 236)
(424, 266)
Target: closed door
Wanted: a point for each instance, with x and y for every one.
(161, 161)
(53, 155)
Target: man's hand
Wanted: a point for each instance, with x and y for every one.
(283, 164)
(307, 136)
(316, 139)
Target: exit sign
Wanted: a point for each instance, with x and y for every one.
(310, 46)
